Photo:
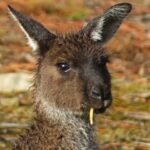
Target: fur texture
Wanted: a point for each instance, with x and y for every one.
(71, 78)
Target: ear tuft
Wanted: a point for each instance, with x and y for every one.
(96, 35)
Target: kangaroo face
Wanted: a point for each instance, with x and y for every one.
(74, 77)
(72, 69)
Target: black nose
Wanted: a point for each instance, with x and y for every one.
(95, 93)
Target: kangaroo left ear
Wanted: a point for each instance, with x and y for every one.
(38, 36)
(102, 28)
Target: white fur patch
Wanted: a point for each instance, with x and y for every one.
(67, 118)
(31, 42)
(96, 34)
(52, 112)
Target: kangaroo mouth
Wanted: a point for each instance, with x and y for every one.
(100, 106)
(97, 108)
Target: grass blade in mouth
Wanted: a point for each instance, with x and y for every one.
(91, 116)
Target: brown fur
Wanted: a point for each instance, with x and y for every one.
(72, 77)
(48, 133)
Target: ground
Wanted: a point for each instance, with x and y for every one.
(125, 126)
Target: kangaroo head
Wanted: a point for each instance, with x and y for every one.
(72, 69)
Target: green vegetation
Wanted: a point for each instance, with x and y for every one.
(76, 15)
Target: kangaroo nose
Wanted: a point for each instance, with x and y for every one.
(95, 93)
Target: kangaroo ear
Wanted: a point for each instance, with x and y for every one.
(38, 36)
(102, 28)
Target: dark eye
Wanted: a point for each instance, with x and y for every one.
(64, 67)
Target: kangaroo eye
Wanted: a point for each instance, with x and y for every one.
(64, 67)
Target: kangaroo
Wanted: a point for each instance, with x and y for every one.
(72, 81)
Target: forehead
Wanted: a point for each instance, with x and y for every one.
(76, 48)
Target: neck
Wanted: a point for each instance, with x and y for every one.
(58, 129)
(48, 112)
(71, 125)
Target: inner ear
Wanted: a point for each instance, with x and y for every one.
(39, 38)
(103, 27)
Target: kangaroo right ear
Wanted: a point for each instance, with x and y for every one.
(38, 36)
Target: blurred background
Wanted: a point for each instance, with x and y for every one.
(126, 125)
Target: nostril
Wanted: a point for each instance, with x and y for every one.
(96, 94)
